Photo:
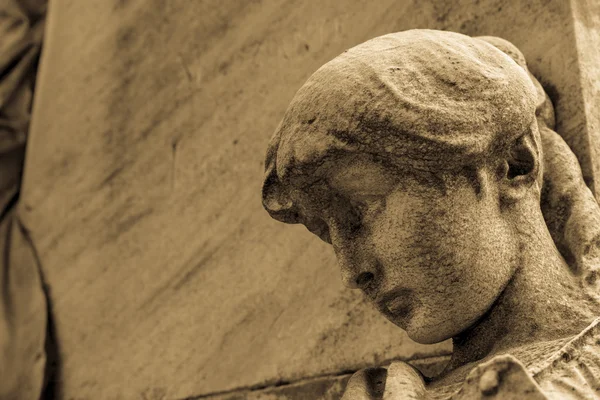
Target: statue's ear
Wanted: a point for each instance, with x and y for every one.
(520, 167)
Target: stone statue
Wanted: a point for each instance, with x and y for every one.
(428, 160)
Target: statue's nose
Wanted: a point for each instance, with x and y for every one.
(355, 257)
(356, 265)
(364, 279)
(357, 277)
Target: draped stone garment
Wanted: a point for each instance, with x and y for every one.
(23, 312)
(572, 372)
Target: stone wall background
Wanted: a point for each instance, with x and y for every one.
(142, 188)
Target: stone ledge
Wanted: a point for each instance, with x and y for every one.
(329, 387)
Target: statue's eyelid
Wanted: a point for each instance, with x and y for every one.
(374, 203)
(359, 209)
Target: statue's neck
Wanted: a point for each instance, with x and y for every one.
(532, 308)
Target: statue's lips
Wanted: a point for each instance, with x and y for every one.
(396, 304)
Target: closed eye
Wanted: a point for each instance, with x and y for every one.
(354, 218)
(368, 208)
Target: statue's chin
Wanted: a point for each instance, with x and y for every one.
(425, 326)
(415, 326)
(428, 332)
(426, 337)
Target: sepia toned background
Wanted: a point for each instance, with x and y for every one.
(167, 279)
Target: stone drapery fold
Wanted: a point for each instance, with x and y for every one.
(23, 306)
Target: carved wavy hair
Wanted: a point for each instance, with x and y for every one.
(431, 100)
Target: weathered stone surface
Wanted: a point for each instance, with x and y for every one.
(143, 222)
(165, 273)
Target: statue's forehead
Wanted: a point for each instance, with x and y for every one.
(314, 154)
(382, 97)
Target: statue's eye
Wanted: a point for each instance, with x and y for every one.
(368, 207)
(354, 219)
(353, 214)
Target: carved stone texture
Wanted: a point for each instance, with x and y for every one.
(428, 160)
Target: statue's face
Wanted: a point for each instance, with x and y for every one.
(432, 255)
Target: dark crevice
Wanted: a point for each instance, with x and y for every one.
(276, 384)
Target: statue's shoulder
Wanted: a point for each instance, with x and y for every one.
(572, 372)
